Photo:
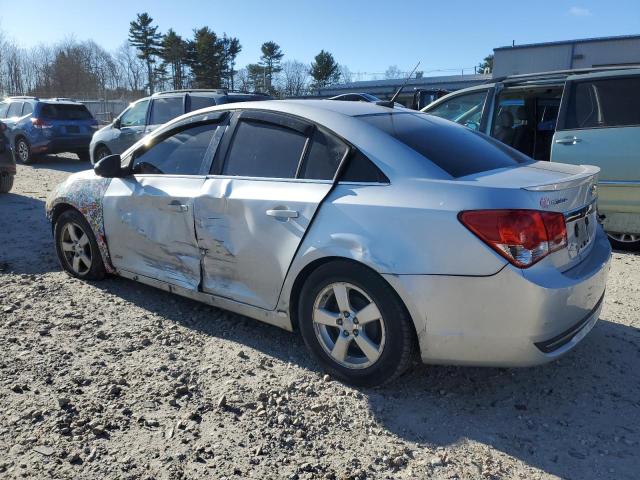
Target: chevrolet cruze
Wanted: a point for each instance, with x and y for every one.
(374, 231)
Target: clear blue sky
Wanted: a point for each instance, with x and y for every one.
(367, 36)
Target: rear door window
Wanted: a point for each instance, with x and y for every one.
(458, 151)
(261, 149)
(27, 109)
(179, 153)
(324, 157)
(196, 102)
(612, 102)
(15, 109)
(164, 109)
(63, 111)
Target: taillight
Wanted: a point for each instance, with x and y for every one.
(39, 123)
(523, 237)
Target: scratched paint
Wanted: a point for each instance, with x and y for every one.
(84, 191)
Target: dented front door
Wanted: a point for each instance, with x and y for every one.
(151, 221)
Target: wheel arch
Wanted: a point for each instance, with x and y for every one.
(308, 269)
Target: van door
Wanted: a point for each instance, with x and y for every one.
(599, 124)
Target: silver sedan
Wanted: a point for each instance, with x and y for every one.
(374, 231)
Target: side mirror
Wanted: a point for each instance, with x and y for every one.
(116, 123)
(109, 167)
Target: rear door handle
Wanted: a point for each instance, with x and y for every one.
(568, 140)
(282, 213)
(178, 207)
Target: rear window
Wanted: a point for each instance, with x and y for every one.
(457, 150)
(65, 112)
(612, 102)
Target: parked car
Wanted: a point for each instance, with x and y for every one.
(38, 126)
(577, 117)
(7, 162)
(147, 114)
(362, 226)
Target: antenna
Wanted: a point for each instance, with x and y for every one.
(393, 99)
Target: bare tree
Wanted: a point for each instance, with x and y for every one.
(294, 78)
(132, 68)
(393, 72)
(241, 80)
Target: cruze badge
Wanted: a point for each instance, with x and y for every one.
(546, 202)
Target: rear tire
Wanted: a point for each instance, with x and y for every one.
(23, 151)
(6, 183)
(367, 351)
(624, 241)
(76, 246)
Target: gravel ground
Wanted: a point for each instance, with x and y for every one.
(117, 380)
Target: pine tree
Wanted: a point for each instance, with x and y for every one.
(270, 62)
(231, 49)
(205, 58)
(145, 37)
(324, 70)
(174, 52)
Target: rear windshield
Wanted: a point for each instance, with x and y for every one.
(63, 111)
(457, 150)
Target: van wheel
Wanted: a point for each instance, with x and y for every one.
(23, 151)
(624, 241)
(77, 248)
(355, 325)
(6, 183)
(100, 153)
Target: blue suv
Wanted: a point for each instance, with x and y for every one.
(55, 125)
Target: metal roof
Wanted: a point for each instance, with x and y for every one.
(569, 42)
(364, 84)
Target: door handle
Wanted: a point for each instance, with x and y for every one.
(282, 213)
(178, 207)
(568, 140)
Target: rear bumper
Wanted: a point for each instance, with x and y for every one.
(512, 318)
(63, 144)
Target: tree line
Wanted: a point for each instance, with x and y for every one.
(150, 61)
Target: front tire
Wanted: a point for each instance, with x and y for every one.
(6, 183)
(100, 153)
(23, 151)
(624, 241)
(76, 246)
(355, 324)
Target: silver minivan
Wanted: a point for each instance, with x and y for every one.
(578, 117)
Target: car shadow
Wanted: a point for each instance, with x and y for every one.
(554, 417)
(65, 163)
(25, 236)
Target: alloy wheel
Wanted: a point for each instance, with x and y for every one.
(348, 325)
(625, 237)
(75, 245)
(23, 151)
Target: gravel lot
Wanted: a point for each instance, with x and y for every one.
(117, 380)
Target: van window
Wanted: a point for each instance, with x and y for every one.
(164, 109)
(613, 102)
(464, 109)
(456, 150)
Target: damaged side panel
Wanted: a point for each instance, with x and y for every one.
(85, 191)
(152, 219)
